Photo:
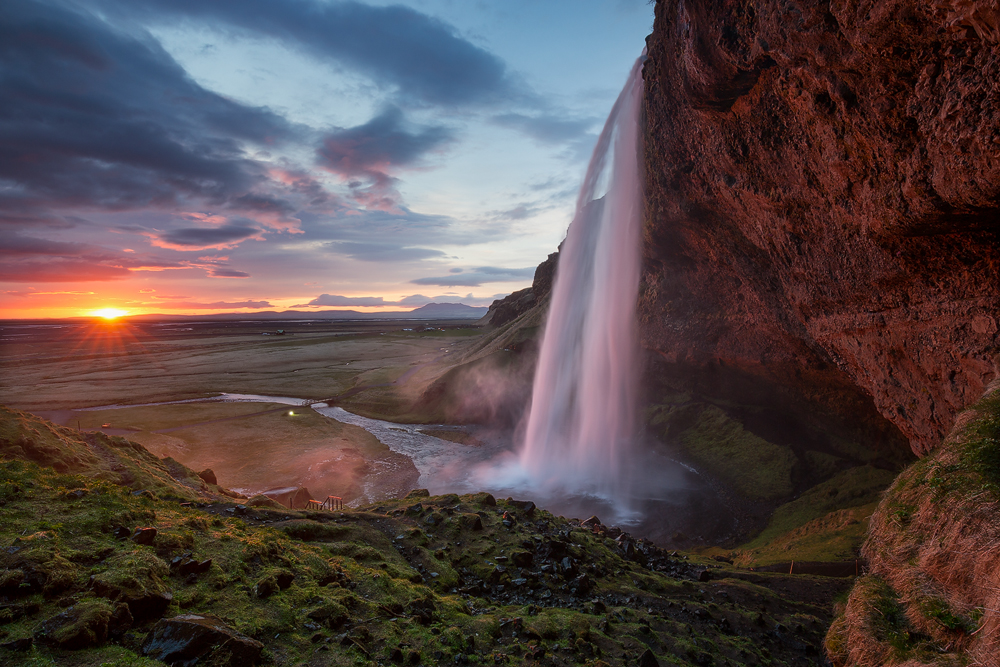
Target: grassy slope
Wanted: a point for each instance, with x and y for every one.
(931, 597)
(822, 499)
(439, 577)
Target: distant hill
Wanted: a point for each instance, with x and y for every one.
(431, 311)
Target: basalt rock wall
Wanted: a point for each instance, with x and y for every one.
(823, 186)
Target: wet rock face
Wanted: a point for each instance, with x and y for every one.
(823, 184)
(189, 639)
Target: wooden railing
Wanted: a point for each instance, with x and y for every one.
(330, 504)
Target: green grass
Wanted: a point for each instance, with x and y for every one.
(358, 570)
(753, 466)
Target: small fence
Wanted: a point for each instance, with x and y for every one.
(330, 504)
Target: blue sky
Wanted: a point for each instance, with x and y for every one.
(225, 155)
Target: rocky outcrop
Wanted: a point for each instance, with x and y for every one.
(517, 303)
(823, 184)
(190, 638)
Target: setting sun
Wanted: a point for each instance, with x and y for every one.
(109, 313)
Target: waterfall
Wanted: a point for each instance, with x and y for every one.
(582, 418)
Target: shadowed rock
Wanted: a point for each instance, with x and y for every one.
(84, 625)
(189, 639)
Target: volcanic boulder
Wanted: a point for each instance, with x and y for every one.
(190, 638)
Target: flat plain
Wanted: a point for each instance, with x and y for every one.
(63, 370)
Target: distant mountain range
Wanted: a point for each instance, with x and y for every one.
(432, 311)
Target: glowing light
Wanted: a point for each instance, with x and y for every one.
(109, 313)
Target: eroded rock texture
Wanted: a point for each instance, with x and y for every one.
(823, 193)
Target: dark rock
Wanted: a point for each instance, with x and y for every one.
(84, 625)
(144, 535)
(705, 575)
(12, 612)
(332, 614)
(265, 588)
(135, 580)
(208, 476)
(191, 566)
(190, 639)
(396, 655)
(19, 645)
(418, 493)
(591, 522)
(484, 499)
(471, 521)
(525, 506)
(123, 533)
(284, 579)
(647, 659)
(522, 558)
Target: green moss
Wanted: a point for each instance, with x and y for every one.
(363, 584)
(851, 488)
(753, 466)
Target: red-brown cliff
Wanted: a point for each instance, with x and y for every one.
(823, 192)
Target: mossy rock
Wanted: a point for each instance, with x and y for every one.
(136, 579)
(265, 502)
(84, 625)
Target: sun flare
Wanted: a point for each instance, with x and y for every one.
(109, 313)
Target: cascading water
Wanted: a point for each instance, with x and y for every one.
(582, 420)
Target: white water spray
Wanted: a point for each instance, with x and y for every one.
(582, 420)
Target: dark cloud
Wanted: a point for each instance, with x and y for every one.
(60, 270)
(382, 252)
(548, 129)
(478, 276)
(28, 259)
(519, 212)
(337, 300)
(378, 145)
(202, 238)
(216, 305)
(93, 117)
(227, 273)
(334, 300)
(423, 57)
(367, 153)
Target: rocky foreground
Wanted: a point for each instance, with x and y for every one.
(97, 572)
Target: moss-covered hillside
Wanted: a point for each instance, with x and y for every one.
(933, 592)
(420, 580)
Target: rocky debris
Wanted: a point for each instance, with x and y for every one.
(189, 639)
(144, 535)
(84, 625)
(208, 475)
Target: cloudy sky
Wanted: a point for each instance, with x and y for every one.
(196, 156)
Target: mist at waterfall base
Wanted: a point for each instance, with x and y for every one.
(580, 453)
